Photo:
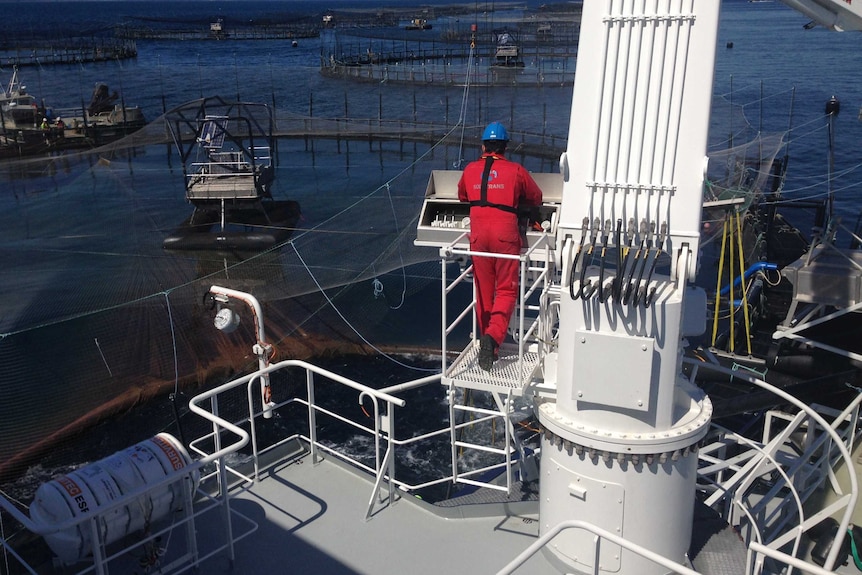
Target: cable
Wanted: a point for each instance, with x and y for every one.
(718, 282)
(582, 291)
(602, 292)
(338, 311)
(855, 552)
(174, 344)
(572, 292)
(462, 115)
(742, 279)
(637, 263)
(636, 285)
(400, 256)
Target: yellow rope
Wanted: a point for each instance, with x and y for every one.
(718, 282)
(744, 290)
(730, 273)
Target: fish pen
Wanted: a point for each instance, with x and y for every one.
(70, 50)
(533, 49)
(218, 30)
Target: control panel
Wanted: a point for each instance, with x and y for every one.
(444, 219)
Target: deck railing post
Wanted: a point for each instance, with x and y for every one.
(312, 415)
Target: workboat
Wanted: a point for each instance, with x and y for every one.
(418, 24)
(228, 169)
(27, 126)
(589, 447)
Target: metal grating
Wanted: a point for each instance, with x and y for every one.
(504, 376)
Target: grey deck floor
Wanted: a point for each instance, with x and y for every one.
(312, 520)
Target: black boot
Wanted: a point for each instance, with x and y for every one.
(487, 352)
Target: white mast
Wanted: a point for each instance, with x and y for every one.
(620, 442)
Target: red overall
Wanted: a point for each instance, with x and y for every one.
(494, 228)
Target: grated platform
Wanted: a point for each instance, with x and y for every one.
(508, 373)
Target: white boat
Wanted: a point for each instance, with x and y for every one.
(626, 473)
(19, 107)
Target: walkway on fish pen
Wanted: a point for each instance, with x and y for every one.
(522, 143)
(444, 75)
(249, 32)
(65, 51)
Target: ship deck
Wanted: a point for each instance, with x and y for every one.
(312, 516)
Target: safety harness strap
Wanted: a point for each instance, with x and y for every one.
(483, 200)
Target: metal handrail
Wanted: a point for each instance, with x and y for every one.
(383, 468)
(830, 430)
(599, 535)
(524, 290)
(89, 523)
(761, 550)
(377, 396)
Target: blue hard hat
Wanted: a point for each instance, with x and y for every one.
(495, 131)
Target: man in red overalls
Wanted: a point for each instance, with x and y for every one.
(495, 187)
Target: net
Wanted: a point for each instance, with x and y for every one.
(97, 317)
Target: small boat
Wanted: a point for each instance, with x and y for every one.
(228, 180)
(418, 24)
(217, 30)
(106, 118)
(17, 105)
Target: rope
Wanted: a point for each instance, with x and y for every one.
(400, 255)
(462, 115)
(718, 282)
(730, 273)
(348, 324)
(174, 344)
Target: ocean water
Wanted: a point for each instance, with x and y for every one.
(90, 301)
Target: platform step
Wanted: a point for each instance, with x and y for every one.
(507, 373)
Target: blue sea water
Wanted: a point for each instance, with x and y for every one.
(86, 235)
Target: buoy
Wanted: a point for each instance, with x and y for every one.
(84, 491)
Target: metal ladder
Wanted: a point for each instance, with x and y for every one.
(513, 372)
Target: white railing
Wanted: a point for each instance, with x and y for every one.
(775, 518)
(599, 535)
(382, 411)
(193, 554)
(535, 270)
(382, 431)
(773, 521)
(762, 552)
(93, 522)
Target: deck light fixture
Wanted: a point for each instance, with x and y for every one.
(226, 320)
